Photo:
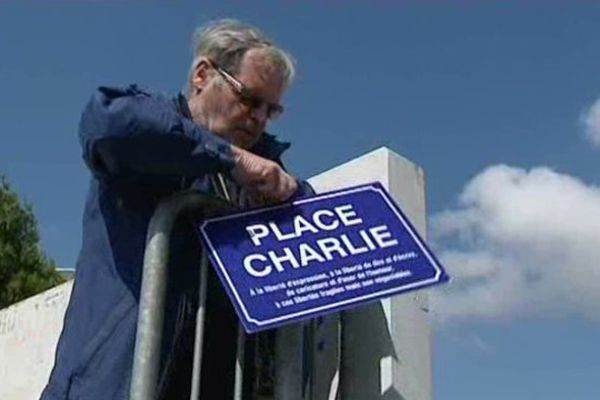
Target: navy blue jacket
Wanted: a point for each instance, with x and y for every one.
(140, 147)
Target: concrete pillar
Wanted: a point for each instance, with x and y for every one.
(383, 350)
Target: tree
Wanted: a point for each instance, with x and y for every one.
(24, 268)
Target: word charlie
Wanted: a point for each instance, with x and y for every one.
(355, 241)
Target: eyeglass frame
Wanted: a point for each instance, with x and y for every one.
(247, 98)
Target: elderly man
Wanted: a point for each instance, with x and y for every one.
(141, 147)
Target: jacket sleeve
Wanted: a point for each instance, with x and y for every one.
(129, 134)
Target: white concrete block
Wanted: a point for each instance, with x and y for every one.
(385, 346)
(29, 331)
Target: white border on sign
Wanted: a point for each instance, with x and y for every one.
(368, 187)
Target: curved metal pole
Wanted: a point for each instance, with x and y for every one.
(146, 357)
(199, 342)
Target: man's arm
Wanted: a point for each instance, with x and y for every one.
(132, 135)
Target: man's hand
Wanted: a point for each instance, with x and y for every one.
(261, 176)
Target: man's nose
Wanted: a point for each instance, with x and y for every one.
(260, 113)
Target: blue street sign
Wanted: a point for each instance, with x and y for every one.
(318, 255)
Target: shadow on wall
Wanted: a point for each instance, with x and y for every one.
(366, 341)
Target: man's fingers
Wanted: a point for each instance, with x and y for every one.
(289, 188)
(278, 188)
(286, 187)
(263, 176)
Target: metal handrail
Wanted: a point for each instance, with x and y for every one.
(146, 360)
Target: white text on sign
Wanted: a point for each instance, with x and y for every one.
(364, 239)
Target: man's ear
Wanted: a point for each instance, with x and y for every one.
(201, 75)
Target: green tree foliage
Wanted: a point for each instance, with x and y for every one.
(24, 268)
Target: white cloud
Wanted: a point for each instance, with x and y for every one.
(520, 243)
(470, 341)
(591, 122)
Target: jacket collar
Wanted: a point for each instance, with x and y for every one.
(267, 146)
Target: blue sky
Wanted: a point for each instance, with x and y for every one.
(497, 101)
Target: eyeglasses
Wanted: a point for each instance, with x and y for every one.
(249, 100)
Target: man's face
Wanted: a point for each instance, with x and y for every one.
(219, 108)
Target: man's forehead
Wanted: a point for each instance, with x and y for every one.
(260, 62)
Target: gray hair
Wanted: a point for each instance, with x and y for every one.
(226, 41)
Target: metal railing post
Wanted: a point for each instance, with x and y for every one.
(146, 358)
(239, 364)
(199, 341)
